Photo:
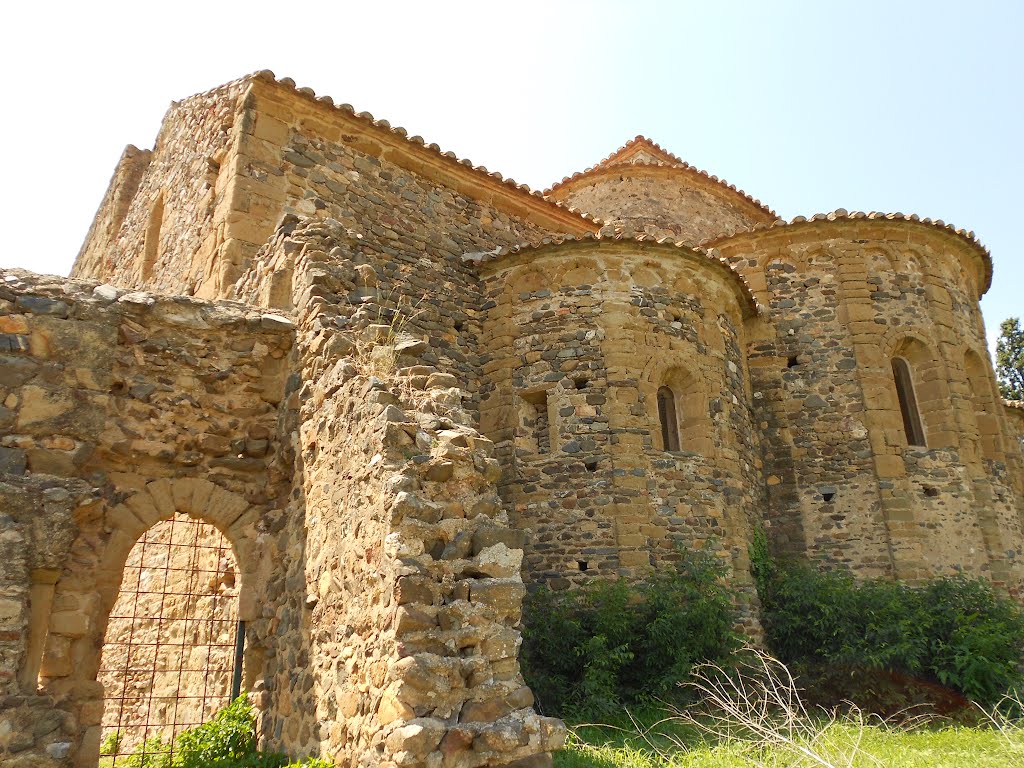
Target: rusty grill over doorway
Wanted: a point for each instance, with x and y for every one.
(171, 655)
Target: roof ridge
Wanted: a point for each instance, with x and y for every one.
(618, 236)
(841, 214)
(678, 163)
(635, 141)
(267, 75)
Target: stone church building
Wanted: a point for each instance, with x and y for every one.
(371, 392)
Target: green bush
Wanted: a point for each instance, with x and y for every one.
(956, 631)
(611, 643)
(227, 740)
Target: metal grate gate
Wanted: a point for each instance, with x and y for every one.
(170, 648)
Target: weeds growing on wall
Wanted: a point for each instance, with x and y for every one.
(227, 740)
(956, 631)
(590, 651)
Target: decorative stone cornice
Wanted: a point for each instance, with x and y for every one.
(710, 257)
(841, 215)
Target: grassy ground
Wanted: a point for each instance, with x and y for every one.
(846, 743)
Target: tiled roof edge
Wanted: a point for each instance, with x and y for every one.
(841, 214)
(266, 75)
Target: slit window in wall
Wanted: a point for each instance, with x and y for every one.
(151, 244)
(668, 419)
(535, 421)
(912, 426)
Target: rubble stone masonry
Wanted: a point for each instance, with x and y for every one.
(406, 390)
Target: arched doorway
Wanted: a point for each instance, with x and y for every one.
(172, 639)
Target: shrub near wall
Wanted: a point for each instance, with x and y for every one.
(227, 740)
(590, 651)
(955, 631)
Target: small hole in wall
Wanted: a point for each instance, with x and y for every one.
(459, 325)
(591, 466)
(931, 492)
(792, 362)
(580, 383)
(582, 565)
(828, 496)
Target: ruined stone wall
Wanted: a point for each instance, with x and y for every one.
(846, 297)
(171, 235)
(125, 408)
(662, 201)
(37, 529)
(579, 339)
(402, 613)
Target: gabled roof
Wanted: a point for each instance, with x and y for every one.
(567, 215)
(641, 151)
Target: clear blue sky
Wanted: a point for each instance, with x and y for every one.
(809, 106)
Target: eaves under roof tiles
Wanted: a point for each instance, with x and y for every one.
(268, 76)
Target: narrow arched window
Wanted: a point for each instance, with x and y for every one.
(912, 426)
(669, 422)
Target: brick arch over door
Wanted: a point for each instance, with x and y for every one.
(85, 593)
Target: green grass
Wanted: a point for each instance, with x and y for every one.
(847, 743)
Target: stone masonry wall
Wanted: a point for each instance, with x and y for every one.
(171, 236)
(37, 530)
(125, 408)
(1014, 413)
(579, 338)
(409, 231)
(229, 164)
(845, 297)
(405, 605)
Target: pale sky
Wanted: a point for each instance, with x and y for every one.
(809, 106)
